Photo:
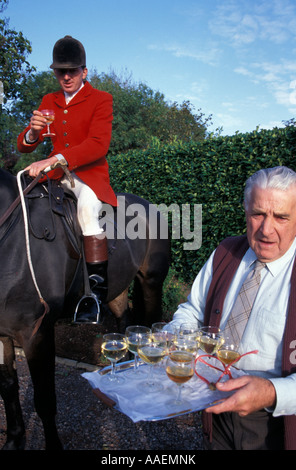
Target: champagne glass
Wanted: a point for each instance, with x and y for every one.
(228, 351)
(158, 326)
(168, 332)
(179, 369)
(211, 339)
(49, 116)
(152, 351)
(114, 348)
(184, 343)
(190, 330)
(135, 335)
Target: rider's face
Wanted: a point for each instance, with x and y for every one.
(71, 80)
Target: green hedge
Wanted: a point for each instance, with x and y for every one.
(211, 173)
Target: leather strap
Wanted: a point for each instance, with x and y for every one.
(18, 199)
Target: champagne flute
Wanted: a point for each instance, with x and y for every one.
(114, 348)
(152, 351)
(135, 335)
(211, 339)
(228, 351)
(179, 369)
(49, 116)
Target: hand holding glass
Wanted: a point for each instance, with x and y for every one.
(49, 116)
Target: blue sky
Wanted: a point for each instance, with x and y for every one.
(234, 59)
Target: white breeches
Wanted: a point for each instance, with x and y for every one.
(88, 206)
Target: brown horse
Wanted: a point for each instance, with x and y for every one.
(40, 282)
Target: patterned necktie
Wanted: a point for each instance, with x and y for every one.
(243, 305)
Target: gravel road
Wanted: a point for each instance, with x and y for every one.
(84, 423)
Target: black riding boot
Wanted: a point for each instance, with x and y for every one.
(98, 278)
(96, 257)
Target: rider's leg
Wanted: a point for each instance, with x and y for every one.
(96, 256)
(94, 238)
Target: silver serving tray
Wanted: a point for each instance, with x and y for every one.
(124, 366)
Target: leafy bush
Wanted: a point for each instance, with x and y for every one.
(212, 173)
(174, 293)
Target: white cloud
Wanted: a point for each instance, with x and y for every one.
(208, 55)
(200, 87)
(278, 79)
(244, 22)
(228, 121)
(272, 125)
(195, 93)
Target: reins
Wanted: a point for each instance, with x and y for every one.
(17, 201)
(61, 163)
(21, 199)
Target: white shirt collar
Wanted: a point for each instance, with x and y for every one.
(274, 266)
(69, 97)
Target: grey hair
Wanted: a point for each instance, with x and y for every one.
(279, 177)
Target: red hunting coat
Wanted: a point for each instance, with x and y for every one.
(83, 131)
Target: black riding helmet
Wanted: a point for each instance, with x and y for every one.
(68, 53)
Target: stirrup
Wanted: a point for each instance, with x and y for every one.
(96, 281)
(88, 310)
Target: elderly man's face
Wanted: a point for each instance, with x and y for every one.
(271, 222)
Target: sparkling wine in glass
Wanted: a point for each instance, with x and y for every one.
(162, 329)
(184, 343)
(136, 336)
(179, 369)
(228, 351)
(152, 352)
(210, 340)
(114, 348)
(49, 116)
(190, 330)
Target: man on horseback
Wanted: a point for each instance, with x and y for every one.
(82, 128)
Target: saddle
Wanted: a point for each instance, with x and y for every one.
(60, 202)
(54, 200)
(63, 203)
